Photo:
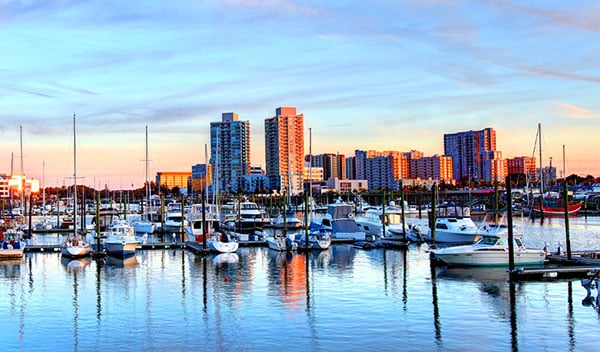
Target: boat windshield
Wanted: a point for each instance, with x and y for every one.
(490, 240)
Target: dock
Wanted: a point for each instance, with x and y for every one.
(582, 264)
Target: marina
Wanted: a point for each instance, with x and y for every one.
(170, 297)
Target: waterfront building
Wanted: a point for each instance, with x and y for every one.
(436, 167)
(229, 152)
(494, 167)
(467, 150)
(4, 191)
(380, 173)
(522, 166)
(171, 179)
(333, 165)
(256, 182)
(346, 186)
(201, 177)
(284, 150)
(351, 168)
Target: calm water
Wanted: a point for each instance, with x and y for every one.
(341, 299)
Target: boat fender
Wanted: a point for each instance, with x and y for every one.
(350, 216)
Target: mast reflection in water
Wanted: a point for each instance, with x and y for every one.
(257, 299)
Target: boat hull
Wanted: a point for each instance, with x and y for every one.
(490, 259)
(76, 251)
(573, 209)
(120, 248)
(222, 247)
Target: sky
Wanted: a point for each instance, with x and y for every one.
(368, 75)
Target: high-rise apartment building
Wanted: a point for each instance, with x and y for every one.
(334, 165)
(522, 166)
(468, 150)
(229, 152)
(432, 167)
(284, 150)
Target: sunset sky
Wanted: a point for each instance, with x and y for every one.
(382, 75)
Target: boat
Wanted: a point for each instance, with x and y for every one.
(12, 245)
(245, 219)
(75, 246)
(145, 225)
(373, 220)
(319, 237)
(120, 239)
(193, 221)
(339, 219)
(173, 218)
(279, 241)
(556, 209)
(221, 242)
(488, 251)
(289, 221)
(551, 204)
(453, 224)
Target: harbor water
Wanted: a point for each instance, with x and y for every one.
(342, 299)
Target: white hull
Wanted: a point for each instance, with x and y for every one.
(491, 258)
(317, 243)
(120, 246)
(76, 251)
(222, 247)
(453, 237)
(281, 243)
(489, 251)
(144, 227)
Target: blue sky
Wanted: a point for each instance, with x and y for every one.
(383, 75)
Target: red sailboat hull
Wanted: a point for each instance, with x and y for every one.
(574, 207)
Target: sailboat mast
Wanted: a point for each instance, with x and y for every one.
(74, 178)
(541, 166)
(147, 183)
(22, 176)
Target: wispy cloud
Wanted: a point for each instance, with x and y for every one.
(588, 20)
(572, 111)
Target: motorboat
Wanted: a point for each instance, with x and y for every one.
(120, 239)
(222, 243)
(243, 218)
(340, 221)
(488, 251)
(280, 242)
(289, 221)
(12, 245)
(194, 218)
(318, 238)
(75, 247)
(173, 221)
(453, 224)
(375, 220)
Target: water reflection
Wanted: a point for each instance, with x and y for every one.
(339, 299)
(11, 269)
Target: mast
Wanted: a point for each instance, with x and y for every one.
(22, 181)
(43, 186)
(147, 183)
(309, 171)
(541, 167)
(74, 178)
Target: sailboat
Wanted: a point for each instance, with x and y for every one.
(547, 205)
(12, 244)
(75, 246)
(145, 225)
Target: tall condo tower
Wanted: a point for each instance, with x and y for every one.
(284, 150)
(229, 152)
(468, 150)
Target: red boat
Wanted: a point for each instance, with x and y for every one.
(558, 210)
